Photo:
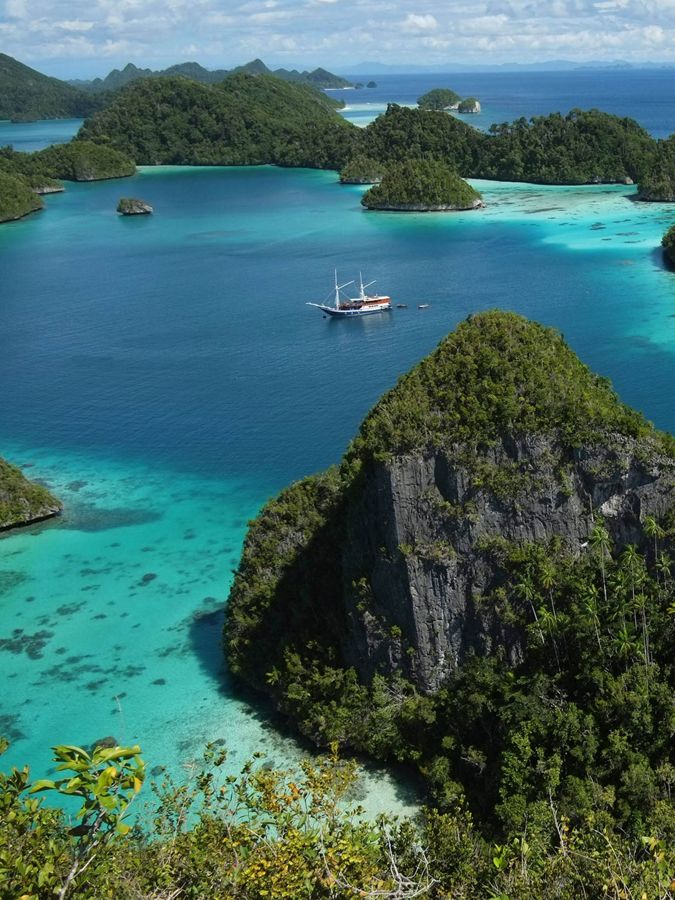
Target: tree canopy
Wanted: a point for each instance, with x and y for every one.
(245, 120)
(668, 244)
(16, 197)
(421, 185)
(26, 95)
(439, 99)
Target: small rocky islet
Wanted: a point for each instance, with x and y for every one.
(132, 206)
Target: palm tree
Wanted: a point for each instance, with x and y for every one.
(629, 559)
(654, 530)
(590, 602)
(625, 642)
(525, 590)
(600, 541)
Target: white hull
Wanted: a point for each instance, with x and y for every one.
(350, 313)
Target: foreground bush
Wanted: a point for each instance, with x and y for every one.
(276, 834)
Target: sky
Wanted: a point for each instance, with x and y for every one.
(85, 38)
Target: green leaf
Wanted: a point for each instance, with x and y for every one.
(43, 784)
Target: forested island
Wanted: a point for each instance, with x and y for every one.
(319, 78)
(482, 588)
(421, 186)
(22, 501)
(245, 120)
(24, 176)
(441, 99)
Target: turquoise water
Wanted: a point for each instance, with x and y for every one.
(29, 136)
(164, 376)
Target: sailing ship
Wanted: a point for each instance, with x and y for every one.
(363, 305)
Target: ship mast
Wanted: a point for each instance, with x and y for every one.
(362, 290)
(338, 288)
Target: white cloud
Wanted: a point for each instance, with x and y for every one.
(336, 33)
(413, 22)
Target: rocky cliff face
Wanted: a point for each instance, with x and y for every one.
(418, 559)
(500, 439)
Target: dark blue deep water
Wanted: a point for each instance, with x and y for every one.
(645, 95)
(164, 376)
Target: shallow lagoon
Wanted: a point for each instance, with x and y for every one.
(164, 376)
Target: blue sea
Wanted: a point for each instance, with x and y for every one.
(645, 95)
(164, 377)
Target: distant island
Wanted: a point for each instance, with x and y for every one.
(469, 105)
(421, 186)
(27, 95)
(22, 501)
(118, 78)
(442, 99)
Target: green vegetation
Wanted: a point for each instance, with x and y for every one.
(26, 95)
(439, 99)
(22, 501)
(668, 244)
(118, 78)
(574, 727)
(278, 834)
(658, 182)
(579, 148)
(16, 198)
(77, 161)
(496, 374)
(421, 185)
(83, 161)
(250, 119)
(403, 133)
(246, 120)
(469, 105)
(362, 170)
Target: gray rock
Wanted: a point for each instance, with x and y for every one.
(417, 533)
(131, 206)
